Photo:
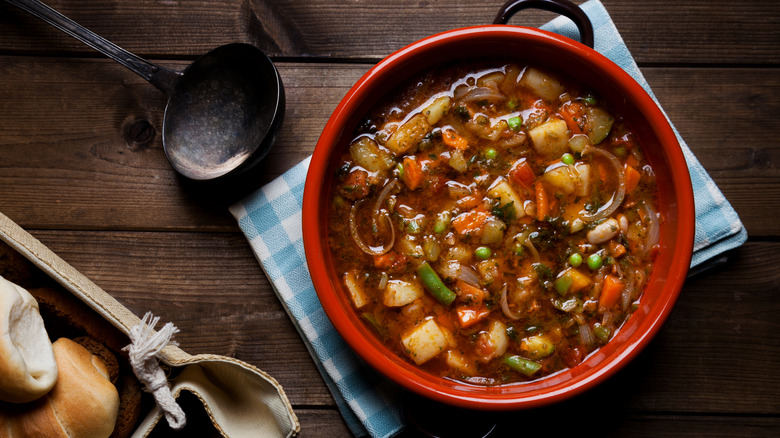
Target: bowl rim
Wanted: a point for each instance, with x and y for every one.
(497, 398)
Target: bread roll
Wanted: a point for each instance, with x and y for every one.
(27, 366)
(83, 403)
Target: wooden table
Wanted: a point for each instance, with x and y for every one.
(82, 168)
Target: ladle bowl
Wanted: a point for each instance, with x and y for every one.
(223, 110)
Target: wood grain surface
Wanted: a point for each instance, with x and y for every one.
(82, 168)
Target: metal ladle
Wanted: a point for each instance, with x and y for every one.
(223, 110)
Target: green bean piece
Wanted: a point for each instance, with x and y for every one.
(483, 253)
(522, 365)
(515, 123)
(433, 284)
(594, 261)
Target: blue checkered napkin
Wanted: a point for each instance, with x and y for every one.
(271, 219)
(718, 227)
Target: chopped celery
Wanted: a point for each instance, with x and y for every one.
(562, 284)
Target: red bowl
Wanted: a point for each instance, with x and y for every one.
(608, 81)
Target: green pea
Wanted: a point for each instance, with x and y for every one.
(575, 260)
(511, 103)
(594, 261)
(491, 153)
(483, 253)
(515, 123)
(567, 158)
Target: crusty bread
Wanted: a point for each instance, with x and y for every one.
(64, 315)
(67, 316)
(83, 403)
(27, 366)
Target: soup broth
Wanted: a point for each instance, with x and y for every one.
(493, 222)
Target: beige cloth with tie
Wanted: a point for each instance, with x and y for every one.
(240, 399)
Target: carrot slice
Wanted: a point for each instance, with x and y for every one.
(632, 161)
(572, 113)
(610, 292)
(453, 139)
(632, 178)
(413, 175)
(470, 222)
(355, 185)
(616, 249)
(468, 316)
(522, 174)
(542, 201)
(470, 294)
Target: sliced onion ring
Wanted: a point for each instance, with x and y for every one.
(482, 93)
(380, 199)
(370, 250)
(505, 306)
(653, 230)
(617, 198)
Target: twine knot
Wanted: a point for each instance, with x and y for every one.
(143, 350)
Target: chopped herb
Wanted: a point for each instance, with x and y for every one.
(504, 212)
(462, 112)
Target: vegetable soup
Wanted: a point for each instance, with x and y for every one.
(493, 223)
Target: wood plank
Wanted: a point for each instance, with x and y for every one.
(657, 31)
(720, 114)
(118, 181)
(732, 309)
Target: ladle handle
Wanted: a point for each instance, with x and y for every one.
(162, 78)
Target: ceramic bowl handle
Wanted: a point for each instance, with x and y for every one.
(563, 7)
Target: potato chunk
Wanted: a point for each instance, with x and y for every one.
(507, 197)
(424, 342)
(399, 293)
(551, 137)
(583, 174)
(359, 296)
(436, 109)
(409, 134)
(562, 178)
(458, 362)
(544, 85)
(494, 342)
(537, 346)
(368, 155)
